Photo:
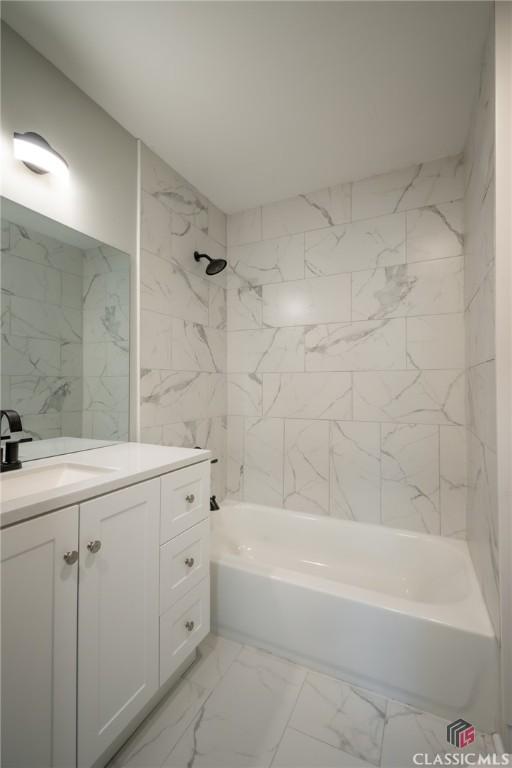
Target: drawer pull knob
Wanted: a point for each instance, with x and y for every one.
(190, 498)
(189, 625)
(189, 561)
(71, 557)
(94, 546)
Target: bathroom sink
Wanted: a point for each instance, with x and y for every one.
(25, 482)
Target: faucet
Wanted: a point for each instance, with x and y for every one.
(11, 452)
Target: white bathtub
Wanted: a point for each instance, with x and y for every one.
(394, 611)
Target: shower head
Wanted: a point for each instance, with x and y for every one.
(214, 265)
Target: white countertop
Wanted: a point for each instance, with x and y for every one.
(57, 446)
(130, 463)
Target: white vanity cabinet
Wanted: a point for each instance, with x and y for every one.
(39, 636)
(101, 603)
(117, 613)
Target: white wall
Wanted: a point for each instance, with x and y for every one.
(99, 198)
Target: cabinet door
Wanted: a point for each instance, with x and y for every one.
(118, 613)
(39, 636)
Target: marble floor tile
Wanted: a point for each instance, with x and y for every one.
(297, 750)
(409, 731)
(345, 717)
(155, 739)
(242, 722)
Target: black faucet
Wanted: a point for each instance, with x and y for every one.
(214, 504)
(11, 459)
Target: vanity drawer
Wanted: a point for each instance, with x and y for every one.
(185, 499)
(183, 627)
(184, 562)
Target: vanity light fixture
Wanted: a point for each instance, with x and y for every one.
(35, 152)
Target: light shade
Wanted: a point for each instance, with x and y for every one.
(38, 155)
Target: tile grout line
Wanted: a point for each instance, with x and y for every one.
(291, 712)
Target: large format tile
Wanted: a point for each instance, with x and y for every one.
(425, 288)
(244, 305)
(244, 227)
(297, 750)
(196, 347)
(154, 740)
(245, 394)
(355, 471)
(171, 396)
(435, 232)
(438, 181)
(341, 715)
(412, 397)
(481, 402)
(481, 322)
(170, 291)
(323, 208)
(306, 465)
(453, 476)
(263, 461)
(308, 395)
(266, 349)
(409, 731)
(360, 346)
(410, 477)
(305, 302)
(435, 341)
(24, 278)
(22, 355)
(359, 245)
(235, 456)
(269, 261)
(155, 338)
(242, 722)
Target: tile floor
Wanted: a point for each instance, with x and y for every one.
(238, 706)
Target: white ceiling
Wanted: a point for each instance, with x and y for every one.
(257, 101)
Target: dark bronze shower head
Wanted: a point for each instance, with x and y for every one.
(214, 265)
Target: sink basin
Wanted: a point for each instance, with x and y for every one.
(25, 482)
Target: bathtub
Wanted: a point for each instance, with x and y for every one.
(394, 611)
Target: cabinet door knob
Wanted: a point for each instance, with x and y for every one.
(189, 561)
(94, 546)
(189, 625)
(190, 498)
(71, 557)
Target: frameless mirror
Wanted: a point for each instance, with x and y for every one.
(64, 357)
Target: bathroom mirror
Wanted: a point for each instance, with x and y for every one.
(64, 357)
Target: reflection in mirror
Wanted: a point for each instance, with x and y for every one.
(65, 334)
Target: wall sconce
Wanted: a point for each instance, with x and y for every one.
(38, 155)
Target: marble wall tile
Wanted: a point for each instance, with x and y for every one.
(263, 461)
(43, 425)
(45, 321)
(413, 397)
(217, 302)
(71, 290)
(173, 292)
(308, 395)
(439, 181)
(105, 426)
(168, 397)
(481, 322)
(41, 249)
(479, 244)
(306, 466)
(22, 355)
(33, 394)
(366, 345)
(244, 307)
(453, 480)
(266, 349)
(5, 313)
(74, 355)
(355, 471)
(235, 456)
(245, 394)
(323, 208)
(155, 340)
(105, 393)
(156, 227)
(481, 402)
(196, 347)
(268, 261)
(305, 302)
(435, 341)
(217, 224)
(244, 227)
(359, 245)
(435, 232)
(176, 194)
(28, 280)
(425, 288)
(410, 477)
(346, 717)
